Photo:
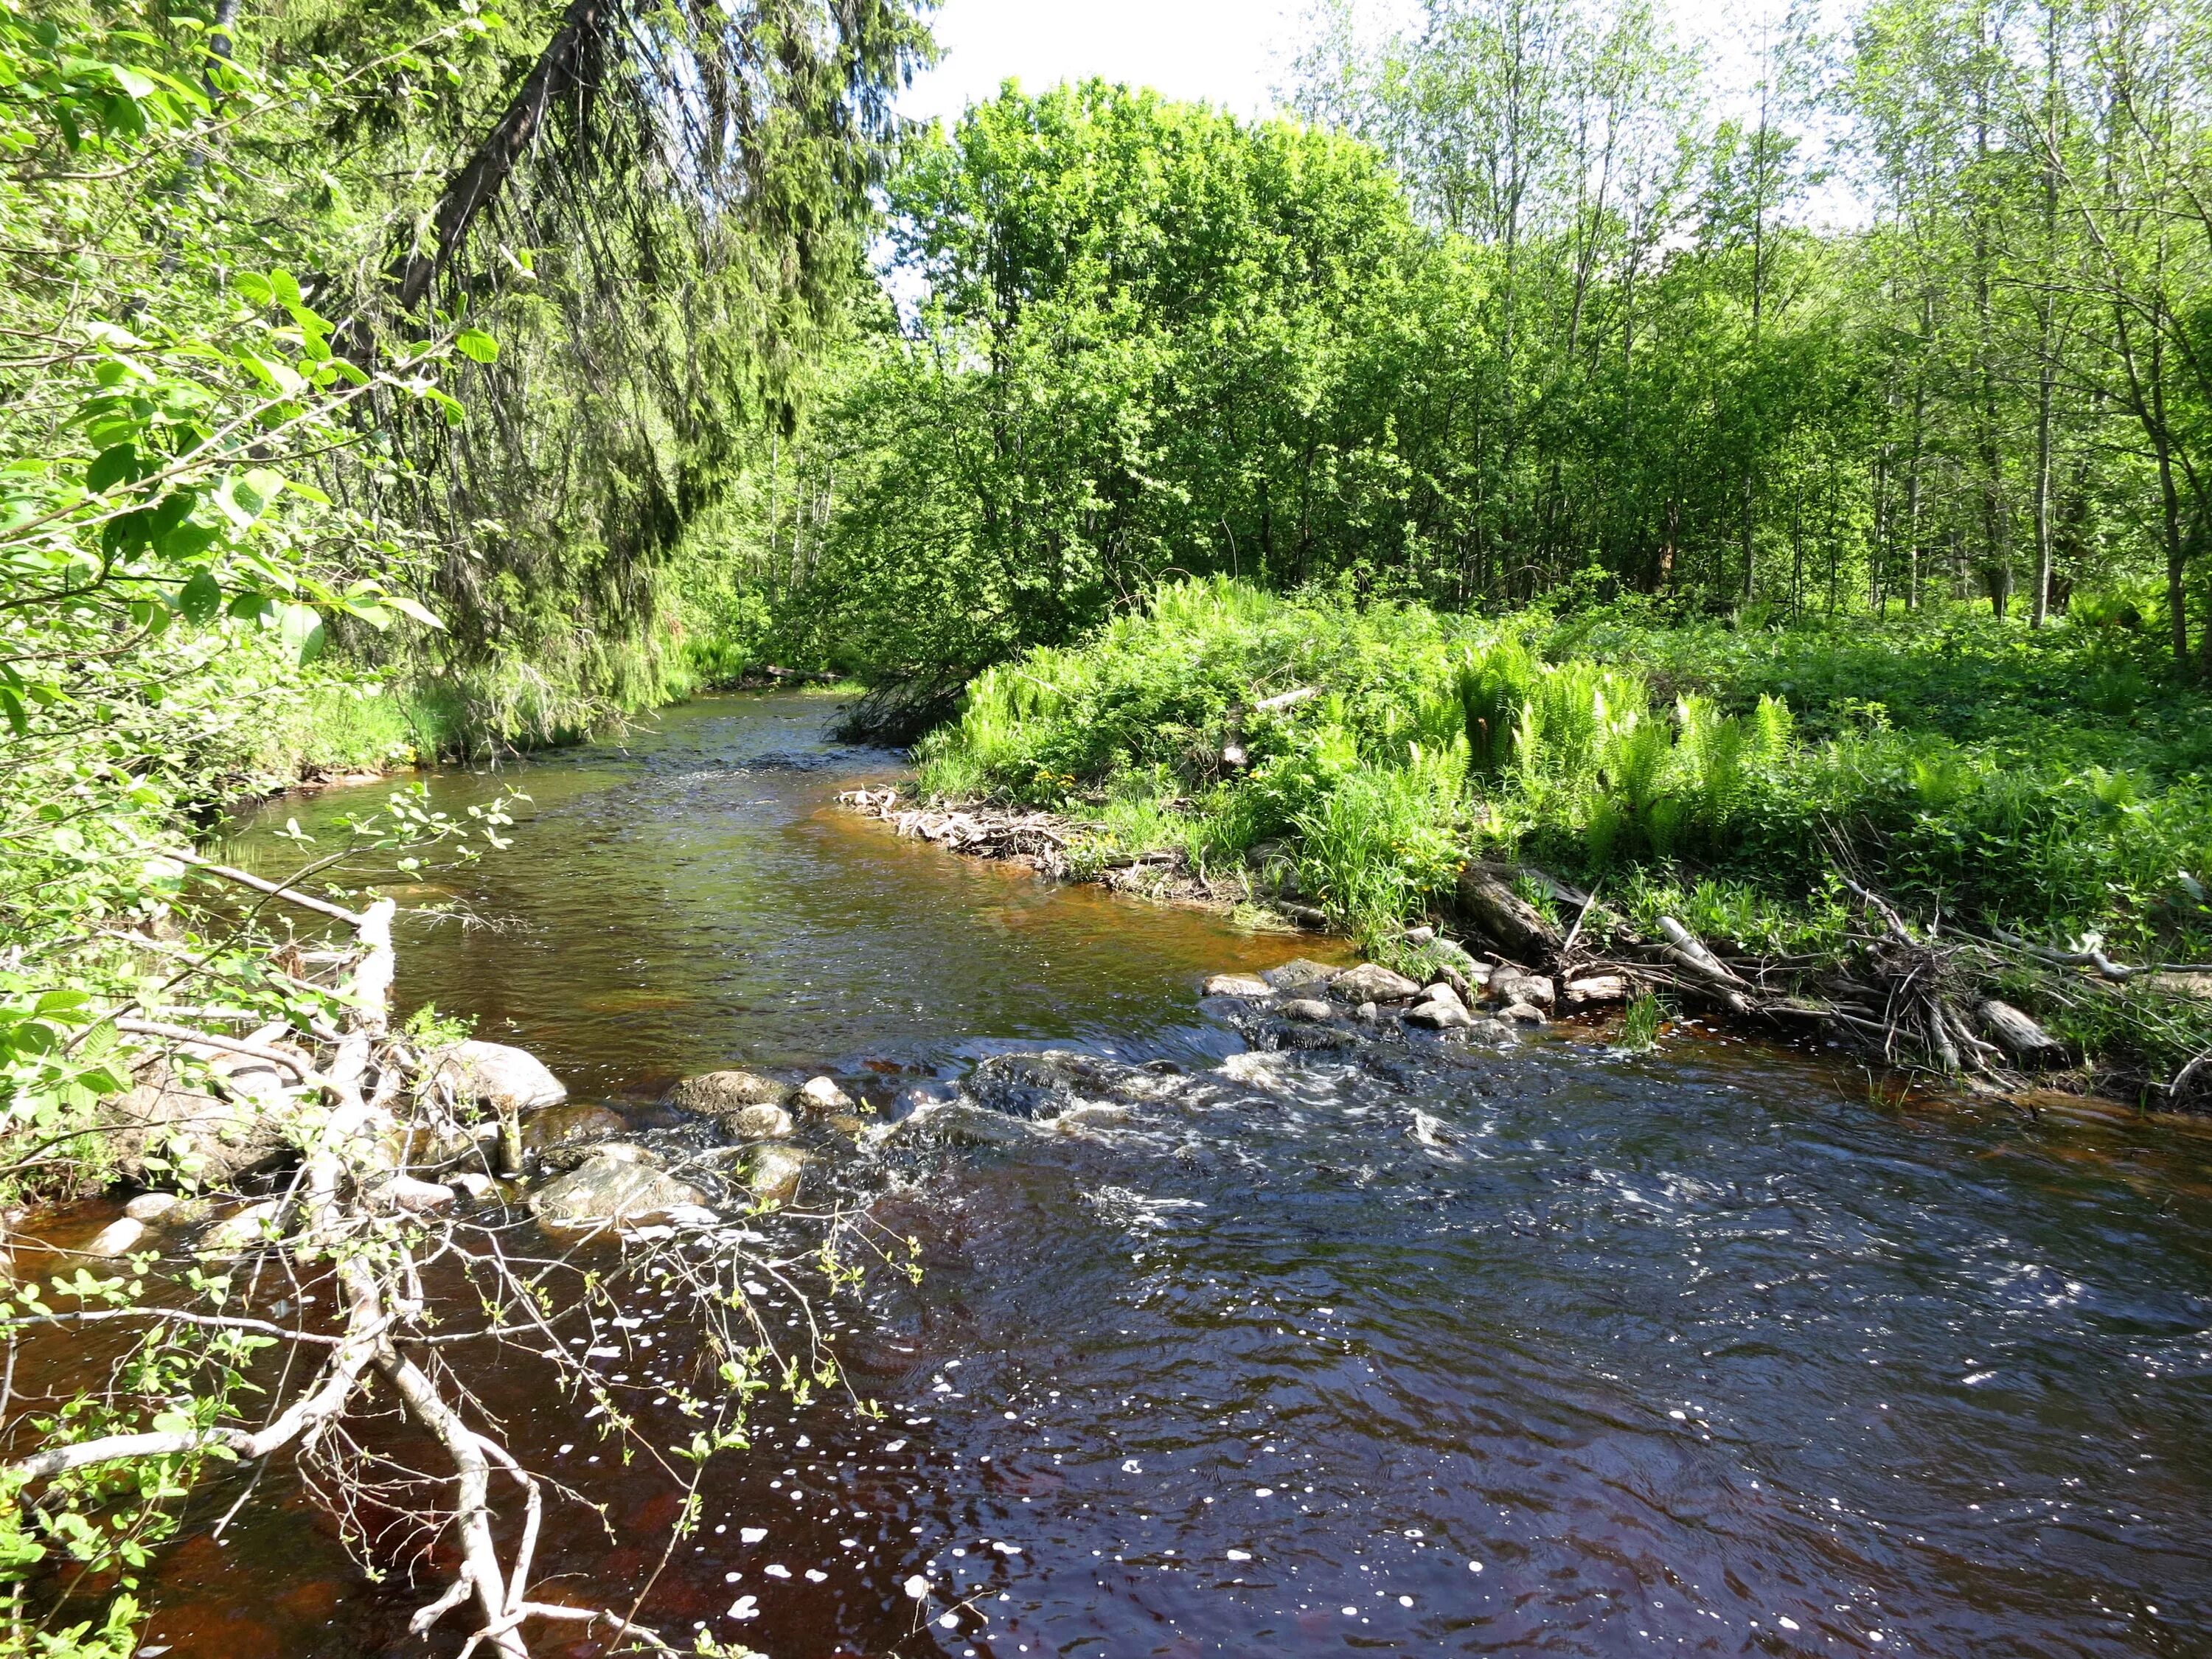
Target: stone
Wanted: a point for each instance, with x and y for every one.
(1299, 975)
(761, 1122)
(773, 1174)
(1441, 1016)
(965, 1124)
(1598, 989)
(821, 1095)
(492, 1074)
(243, 1230)
(606, 1192)
(1369, 1011)
(627, 1151)
(717, 1093)
(476, 1185)
(1310, 1010)
(1509, 986)
(162, 1128)
(694, 1215)
(417, 1197)
(1420, 935)
(1523, 1014)
(559, 1127)
(1238, 985)
(1442, 991)
(117, 1238)
(151, 1207)
(1371, 981)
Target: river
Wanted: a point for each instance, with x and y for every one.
(1406, 1349)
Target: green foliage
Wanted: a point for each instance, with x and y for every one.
(1732, 822)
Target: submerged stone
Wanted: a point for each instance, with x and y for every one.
(716, 1093)
(117, 1238)
(608, 1193)
(561, 1126)
(1308, 1010)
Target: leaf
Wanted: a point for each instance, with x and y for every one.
(200, 598)
(302, 629)
(254, 289)
(286, 287)
(407, 607)
(12, 706)
(477, 346)
(112, 466)
(258, 488)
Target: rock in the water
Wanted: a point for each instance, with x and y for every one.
(559, 1127)
(189, 1134)
(1310, 1010)
(694, 1215)
(1444, 992)
(117, 1238)
(821, 1095)
(605, 1193)
(1523, 1014)
(495, 1075)
(1371, 981)
(417, 1197)
(241, 1231)
(1598, 989)
(1509, 987)
(1238, 985)
(773, 1173)
(761, 1122)
(1299, 975)
(1368, 1011)
(1441, 1016)
(965, 1124)
(477, 1185)
(151, 1207)
(719, 1093)
(1034, 1085)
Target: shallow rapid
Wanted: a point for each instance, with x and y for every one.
(1407, 1348)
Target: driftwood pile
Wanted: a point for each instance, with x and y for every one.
(1036, 838)
(1915, 1002)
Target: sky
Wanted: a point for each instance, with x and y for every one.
(1231, 52)
(1223, 50)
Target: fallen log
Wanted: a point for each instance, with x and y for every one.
(1504, 917)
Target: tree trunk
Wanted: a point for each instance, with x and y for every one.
(562, 69)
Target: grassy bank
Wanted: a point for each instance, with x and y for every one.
(2047, 786)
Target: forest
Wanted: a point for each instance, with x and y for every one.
(1775, 495)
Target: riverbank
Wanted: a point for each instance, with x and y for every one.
(1823, 852)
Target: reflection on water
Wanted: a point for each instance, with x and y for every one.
(1407, 1350)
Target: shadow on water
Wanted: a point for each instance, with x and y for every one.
(1403, 1349)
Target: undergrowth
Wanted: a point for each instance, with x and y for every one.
(1731, 775)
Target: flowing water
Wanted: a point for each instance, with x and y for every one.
(1400, 1348)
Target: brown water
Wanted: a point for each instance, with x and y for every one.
(1402, 1349)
